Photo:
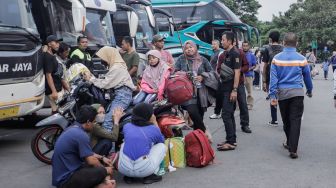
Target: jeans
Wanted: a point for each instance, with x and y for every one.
(103, 147)
(274, 113)
(256, 81)
(229, 119)
(145, 165)
(144, 97)
(291, 113)
(242, 103)
(249, 88)
(86, 177)
(123, 98)
(326, 74)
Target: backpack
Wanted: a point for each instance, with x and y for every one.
(273, 50)
(175, 155)
(198, 149)
(179, 88)
(170, 125)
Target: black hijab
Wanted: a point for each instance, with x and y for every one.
(141, 114)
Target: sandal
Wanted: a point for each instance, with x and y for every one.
(226, 147)
(226, 142)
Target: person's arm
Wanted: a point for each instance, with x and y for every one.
(135, 63)
(335, 88)
(253, 62)
(171, 60)
(307, 79)
(114, 76)
(273, 84)
(51, 85)
(178, 64)
(145, 87)
(65, 85)
(163, 84)
(237, 71)
(245, 64)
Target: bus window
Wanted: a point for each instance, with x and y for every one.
(120, 25)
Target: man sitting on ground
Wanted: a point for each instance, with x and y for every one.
(74, 164)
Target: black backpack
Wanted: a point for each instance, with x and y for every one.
(273, 50)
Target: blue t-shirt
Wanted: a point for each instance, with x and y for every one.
(139, 140)
(71, 148)
(252, 60)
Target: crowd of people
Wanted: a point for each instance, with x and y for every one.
(279, 70)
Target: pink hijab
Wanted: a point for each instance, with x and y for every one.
(196, 58)
(154, 75)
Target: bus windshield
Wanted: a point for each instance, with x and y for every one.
(145, 30)
(99, 28)
(16, 13)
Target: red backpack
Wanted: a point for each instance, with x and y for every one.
(179, 88)
(198, 149)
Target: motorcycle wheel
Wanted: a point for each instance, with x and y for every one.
(43, 143)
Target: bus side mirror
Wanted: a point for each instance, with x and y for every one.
(133, 23)
(171, 26)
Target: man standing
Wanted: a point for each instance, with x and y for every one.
(288, 72)
(251, 59)
(229, 63)
(311, 59)
(74, 164)
(270, 51)
(131, 57)
(333, 61)
(158, 42)
(216, 50)
(80, 54)
(54, 73)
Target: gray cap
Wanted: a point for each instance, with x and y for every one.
(51, 38)
(157, 38)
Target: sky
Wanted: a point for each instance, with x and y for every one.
(270, 7)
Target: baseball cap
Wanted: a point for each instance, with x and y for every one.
(51, 38)
(157, 38)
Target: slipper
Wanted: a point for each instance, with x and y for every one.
(220, 144)
(226, 147)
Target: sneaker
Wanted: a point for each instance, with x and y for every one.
(273, 123)
(152, 179)
(129, 180)
(215, 116)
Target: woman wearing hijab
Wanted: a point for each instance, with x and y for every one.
(143, 149)
(154, 78)
(117, 79)
(192, 61)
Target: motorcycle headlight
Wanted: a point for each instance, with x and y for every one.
(66, 107)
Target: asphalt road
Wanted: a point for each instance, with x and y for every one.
(258, 162)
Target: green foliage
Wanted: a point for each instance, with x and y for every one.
(310, 19)
(246, 10)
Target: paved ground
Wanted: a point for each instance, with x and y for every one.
(258, 162)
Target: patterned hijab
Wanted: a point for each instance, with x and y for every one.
(196, 59)
(154, 75)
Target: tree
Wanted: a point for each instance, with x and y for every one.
(246, 10)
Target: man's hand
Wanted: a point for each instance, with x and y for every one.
(117, 114)
(274, 102)
(199, 78)
(109, 170)
(309, 94)
(233, 96)
(54, 95)
(335, 103)
(107, 162)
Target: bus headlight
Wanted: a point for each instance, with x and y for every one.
(39, 78)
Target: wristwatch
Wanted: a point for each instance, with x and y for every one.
(234, 89)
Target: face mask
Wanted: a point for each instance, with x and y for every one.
(54, 51)
(100, 118)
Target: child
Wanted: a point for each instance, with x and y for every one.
(154, 79)
(325, 67)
